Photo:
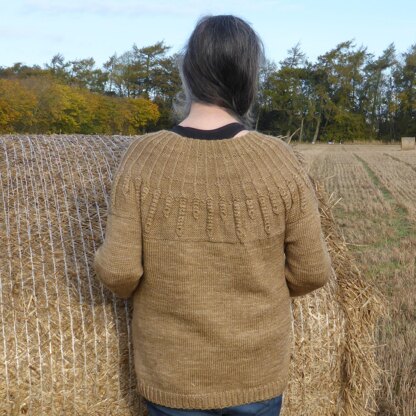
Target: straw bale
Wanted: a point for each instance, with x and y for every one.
(408, 143)
(65, 342)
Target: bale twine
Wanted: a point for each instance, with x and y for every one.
(65, 342)
(408, 143)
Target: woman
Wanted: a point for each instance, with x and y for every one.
(212, 228)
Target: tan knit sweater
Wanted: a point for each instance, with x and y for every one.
(211, 238)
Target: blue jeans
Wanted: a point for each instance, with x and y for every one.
(269, 407)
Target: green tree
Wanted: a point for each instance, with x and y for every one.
(151, 65)
(83, 73)
(282, 93)
(374, 89)
(59, 68)
(340, 73)
(405, 83)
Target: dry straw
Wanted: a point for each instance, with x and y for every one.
(65, 342)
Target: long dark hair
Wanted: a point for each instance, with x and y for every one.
(220, 65)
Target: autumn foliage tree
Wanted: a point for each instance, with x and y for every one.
(46, 105)
(17, 105)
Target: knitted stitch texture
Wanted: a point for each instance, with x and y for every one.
(212, 238)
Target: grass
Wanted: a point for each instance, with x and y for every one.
(376, 181)
(400, 223)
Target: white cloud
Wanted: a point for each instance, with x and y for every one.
(140, 7)
(110, 7)
(20, 32)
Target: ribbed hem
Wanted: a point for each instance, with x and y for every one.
(217, 400)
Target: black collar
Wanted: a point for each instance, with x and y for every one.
(224, 132)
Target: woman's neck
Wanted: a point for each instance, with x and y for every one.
(207, 117)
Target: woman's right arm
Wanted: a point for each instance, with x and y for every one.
(308, 264)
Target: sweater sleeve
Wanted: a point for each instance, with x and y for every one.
(118, 261)
(308, 264)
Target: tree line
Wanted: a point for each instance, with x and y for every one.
(348, 93)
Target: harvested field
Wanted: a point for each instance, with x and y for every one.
(377, 184)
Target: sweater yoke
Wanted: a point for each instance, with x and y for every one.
(232, 190)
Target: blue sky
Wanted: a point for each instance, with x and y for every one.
(32, 31)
